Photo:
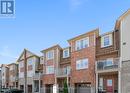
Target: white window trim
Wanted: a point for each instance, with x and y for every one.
(47, 72)
(52, 55)
(21, 64)
(30, 61)
(67, 54)
(110, 40)
(76, 43)
(80, 61)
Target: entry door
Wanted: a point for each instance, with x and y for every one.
(49, 88)
(109, 85)
(29, 88)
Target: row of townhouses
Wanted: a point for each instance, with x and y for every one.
(92, 63)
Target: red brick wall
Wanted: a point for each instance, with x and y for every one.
(49, 78)
(86, 75)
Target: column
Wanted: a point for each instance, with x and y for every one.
(96, 82)
(119, 81)
(39, 85)
(33, 86)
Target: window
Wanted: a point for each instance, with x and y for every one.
(109, 82)
(82, 64)
(66, 70)
(21, 74)
(82, 43)
(50, 70)
(106, 40)
(21, 64)
(109, 62)
(50, 55)
(30, 61)
(11, 67)
(66, 53)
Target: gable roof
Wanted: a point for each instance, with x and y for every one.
(117, 25)
(82, 35)
(22, 54)
(55, 46)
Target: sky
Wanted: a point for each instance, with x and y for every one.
(40, 24)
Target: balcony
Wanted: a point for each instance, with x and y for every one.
(109, 65)
(36, 76)
(13, 79)
(63, 72)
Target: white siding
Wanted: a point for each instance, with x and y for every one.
(125, 38)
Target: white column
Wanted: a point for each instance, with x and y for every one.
(33, 87)
(96, 82)
(119, 81)
(39, 85)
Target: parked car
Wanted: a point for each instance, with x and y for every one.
(14, 91)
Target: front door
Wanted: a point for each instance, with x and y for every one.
(49, 88)
(109, 85)
(29, 88)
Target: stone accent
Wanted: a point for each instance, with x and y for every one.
(125, 77)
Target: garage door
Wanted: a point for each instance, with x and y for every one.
(83, 88)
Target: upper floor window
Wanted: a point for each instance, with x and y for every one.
(82, 64)
(30, 61)
(50, 70)
(106, 40)
(66, 53)
(11, 67)
(82, 43)
(21, 64)
(50, 55)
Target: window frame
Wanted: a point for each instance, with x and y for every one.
(48, 70)
(48, 55)
(82, 43)
(110, 40)
(82, 63)
(68, 53)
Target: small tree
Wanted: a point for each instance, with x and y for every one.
(65, 87)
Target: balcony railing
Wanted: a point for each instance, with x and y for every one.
(37, 76)
(105, 65)
(63, 72)
(13, 79)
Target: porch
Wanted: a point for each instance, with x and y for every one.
(108, 82)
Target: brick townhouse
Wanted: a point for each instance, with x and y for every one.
(5, 75)
(63, 72)
(56, 68)
(51, 60)
(113, 58)
(108, 63)
(29, 74)
(13, 75)
(83, 50)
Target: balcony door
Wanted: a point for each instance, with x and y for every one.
(109, 85)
